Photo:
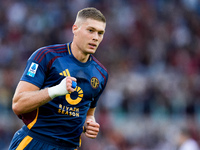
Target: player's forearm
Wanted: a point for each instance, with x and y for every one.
(28, 101)
(90, 118)
(90, 115)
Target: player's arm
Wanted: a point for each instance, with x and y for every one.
(28, 97)
(91, 126)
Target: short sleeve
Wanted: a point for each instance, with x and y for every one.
(34, 71)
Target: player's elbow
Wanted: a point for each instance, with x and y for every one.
(15, 107)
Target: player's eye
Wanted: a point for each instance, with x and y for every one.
(100, 33)
(90, 30)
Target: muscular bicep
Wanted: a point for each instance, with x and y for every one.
(28, 97)
(24, 86)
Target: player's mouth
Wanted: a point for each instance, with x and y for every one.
(92, 45)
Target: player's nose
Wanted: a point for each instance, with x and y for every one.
(95, 36)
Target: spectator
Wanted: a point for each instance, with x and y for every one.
(186, 142)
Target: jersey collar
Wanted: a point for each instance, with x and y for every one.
(74, 59)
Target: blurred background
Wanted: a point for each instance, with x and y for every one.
(151, 50)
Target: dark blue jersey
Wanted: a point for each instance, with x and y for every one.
(64, 116)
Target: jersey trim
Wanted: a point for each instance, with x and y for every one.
(80, 141)
(51, 62)
(45, 50)
(48, 51)
(24, 143)
(99, 63)
(30, 125)
(100, 70)
(68, 48)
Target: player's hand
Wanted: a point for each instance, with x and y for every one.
(69, 86)
(92, 129)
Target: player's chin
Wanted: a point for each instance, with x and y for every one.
(91, 51)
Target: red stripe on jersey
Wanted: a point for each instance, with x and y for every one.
(52, 51)
(51, 62)
(99, 63)
(44, 49)
(102, 76)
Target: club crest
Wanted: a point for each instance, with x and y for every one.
(94, 82)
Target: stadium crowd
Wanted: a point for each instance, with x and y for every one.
(151, 49)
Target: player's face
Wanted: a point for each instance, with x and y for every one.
(88, 35)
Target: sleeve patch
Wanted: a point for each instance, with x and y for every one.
(32, 70)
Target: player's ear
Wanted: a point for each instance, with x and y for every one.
(74, 29)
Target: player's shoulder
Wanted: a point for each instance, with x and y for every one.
(49, 51)
(99, 66)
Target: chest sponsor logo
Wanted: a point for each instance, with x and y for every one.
(70, 111)
(75, 97)
(32, 70)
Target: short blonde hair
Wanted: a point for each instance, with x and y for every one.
(91, 13)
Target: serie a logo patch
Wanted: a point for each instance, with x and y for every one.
(32, 70)
(94, 82)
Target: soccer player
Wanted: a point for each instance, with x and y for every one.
(59, 89)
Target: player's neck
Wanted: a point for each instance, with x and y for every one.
(78, 54)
